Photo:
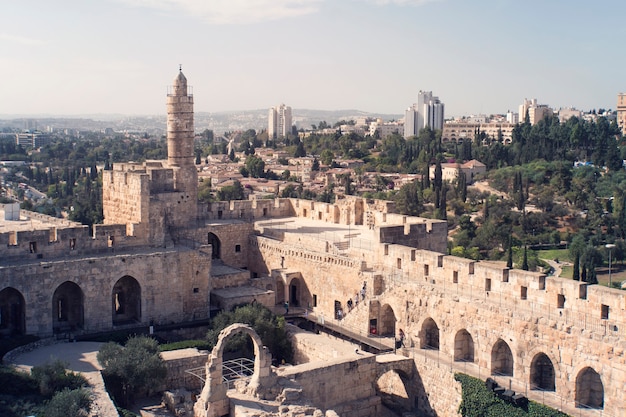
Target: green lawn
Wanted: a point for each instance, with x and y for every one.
(551, 254)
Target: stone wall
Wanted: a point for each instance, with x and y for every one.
(185, 296)
(344, 386)
(178, 362)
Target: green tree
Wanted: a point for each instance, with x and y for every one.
(231, 192)
(327, 156)
(408, 201)
(255, 166)
(137, 366)
(270, 328)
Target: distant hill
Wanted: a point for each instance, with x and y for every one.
(219, 122)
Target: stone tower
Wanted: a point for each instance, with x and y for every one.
(180, 136)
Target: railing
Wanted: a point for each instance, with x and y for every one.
(232, 370)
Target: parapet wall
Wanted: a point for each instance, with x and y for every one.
(72, 241)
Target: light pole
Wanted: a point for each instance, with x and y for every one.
(610, 247)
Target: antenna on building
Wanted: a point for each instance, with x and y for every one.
(180, 67)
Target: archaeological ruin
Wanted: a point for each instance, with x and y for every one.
(162, 258)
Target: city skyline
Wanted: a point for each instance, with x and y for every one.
(115, 56)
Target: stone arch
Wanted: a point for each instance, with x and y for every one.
(67, 308)
(216, 245)
(396, 391)
(542, 375)
(213, 401)
(12, 312)
(294, 286)
(589, 389)
(429, 335)
(463, 346)
(280, 290)
(126, 301)
(387, 324)
(501, 359)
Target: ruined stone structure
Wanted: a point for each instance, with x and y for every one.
(162, 258)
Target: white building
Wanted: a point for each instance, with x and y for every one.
(512, 118)
(536, 112)
(428, 111)
(279, 121)
(385, 129)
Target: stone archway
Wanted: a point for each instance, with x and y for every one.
(396, 391)
(542, 376)
(430, 335)
(216, 245)
(294, 289)
(213, 401)
(501, 359)
(12, 312)
(589, 389)
(387, 321)
(126, 301)
(463, 346)
(67, 308)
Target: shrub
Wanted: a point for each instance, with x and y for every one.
(184, 344)
(75, 403)
(53, 376)
(478, 401)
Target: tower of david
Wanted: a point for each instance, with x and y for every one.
(161, 258)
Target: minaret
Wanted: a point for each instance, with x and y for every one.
(180, 136)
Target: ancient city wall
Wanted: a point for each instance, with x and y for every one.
(185, 297)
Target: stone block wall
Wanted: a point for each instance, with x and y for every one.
(178, 362)
(167, 280)
(336, 382)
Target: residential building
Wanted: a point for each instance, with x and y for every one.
(567, 113)
(621, 112)
(450, 171)
(461, 131)
(385, 129)
(428, 111)
(536, 112)
(279, 121)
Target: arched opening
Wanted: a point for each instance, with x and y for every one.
(214, 391)
(589, 389)
(67, 308)
(387, 323)
(126, 301)
(294, 292)
(430, 335)
(463, 346)
(280, 291)
(215, 243)
(542, 375)
(396, 393)
(501, 359)
(12, 312)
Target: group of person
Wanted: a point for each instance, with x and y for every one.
(353, 302)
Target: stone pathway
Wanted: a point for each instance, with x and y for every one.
(81, 357)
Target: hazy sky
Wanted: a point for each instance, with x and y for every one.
(72, 57)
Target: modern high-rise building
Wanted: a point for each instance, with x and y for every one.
(621, 112)
(428, 111)
(279, 121)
